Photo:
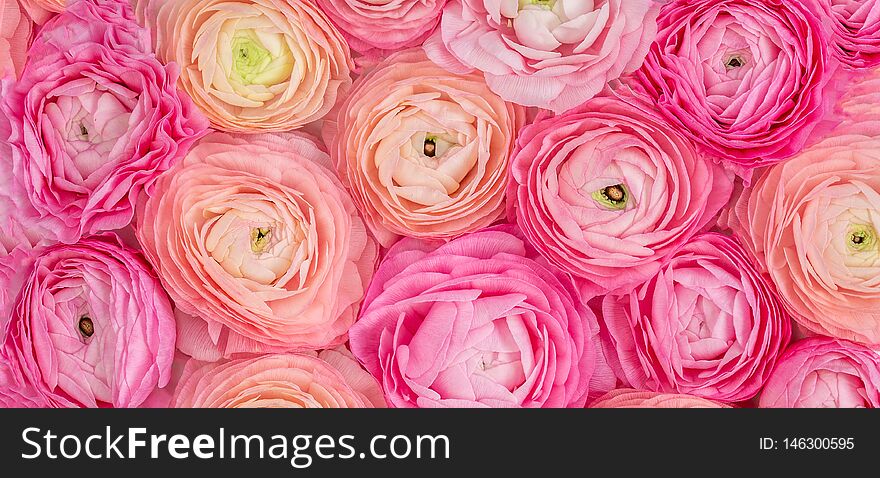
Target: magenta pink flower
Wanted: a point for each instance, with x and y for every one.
(708, 324)
(551, 54)
(629, 398)
(478, 322)
(373, 27)
(91, 327)
(824, 373)
(747, 79)
(855, 28)
(94, 120)
(608, 191)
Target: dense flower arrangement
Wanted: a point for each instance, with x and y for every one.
(440, 203)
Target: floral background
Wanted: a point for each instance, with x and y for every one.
(440, 203)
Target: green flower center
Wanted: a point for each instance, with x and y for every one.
(861, 237)
(254, 63)
(548, 4)
(260, 237)
(612, 197)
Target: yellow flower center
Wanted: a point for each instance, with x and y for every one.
(260, 237)
(260, 59)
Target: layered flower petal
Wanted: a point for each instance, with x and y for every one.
(629, 398)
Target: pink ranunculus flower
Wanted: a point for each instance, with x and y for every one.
(608, 191)
(812, 223)
(748, 80)
(91, 327)
(252, 65)
(15, 35)
(629, 398)
(708, 324)
(551, 54)
(94, 120)
(330, 379)
(376, 26)
(855, 28)
(479, 321)
(259, 245)
(823, 372)
(424, 152)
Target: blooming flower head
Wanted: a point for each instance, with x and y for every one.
(708, 324)
(259, 246)
(91, 327)
(855, 28)
(608, 191)
(822, 372)
(553, 54)
(424, 152)
(746, 79)
(478, 322)
(252, 65)
(629, 398)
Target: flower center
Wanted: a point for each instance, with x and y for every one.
(430, 148)
(546, 4)
(861, 237)
(735, 61)
(86, 326)
(612, 197)
(263, 60)
(260, 237)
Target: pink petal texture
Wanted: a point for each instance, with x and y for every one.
(424, 152)
(552, 55)
(330, 379)
(93, 120)
(306, 67)
(824, 373)
(564, 164)
(373, 27)
(708, 324)
(258, 245)
(629, 398)
(91, 327)
(15, 35)
(42, 10)
(748, 80)
(812, 224)
(855, 31)
(479, 321)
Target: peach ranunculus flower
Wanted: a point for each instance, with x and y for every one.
(258, 245)
(630, 398)
(812, 223)
(553, 54)
(15, 34)
(425, 152)
(42, 10)
(332, 379)
(252, 65)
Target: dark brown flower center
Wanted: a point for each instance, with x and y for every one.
(430, 148)
(615, 193)
(86, 327)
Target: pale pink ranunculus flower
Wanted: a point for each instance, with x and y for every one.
(252, 65)
(329, 379)
(480, 321)
(708, 324)
(855, 31)
(748, 80)
(630, 398)
(91, 327)
(822, 372)
(15, 36)
(608, 191)
(373, 27)
(259, 246)
(552, 54)
(812, 223)
(424, 152)
(93, 119)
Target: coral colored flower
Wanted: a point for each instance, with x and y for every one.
(553, 54)
(708, 324)
(91, 327)
(374, 26)
(747, 79)
(855, 27)
(15, 35)
(824, 373)
(425, 152)
(252, 65)
(42, 10)
(608, 191)
(812, 223)
(478, 322)
(258, 244)
(332, 379)
(629, 398)
(94, 119)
